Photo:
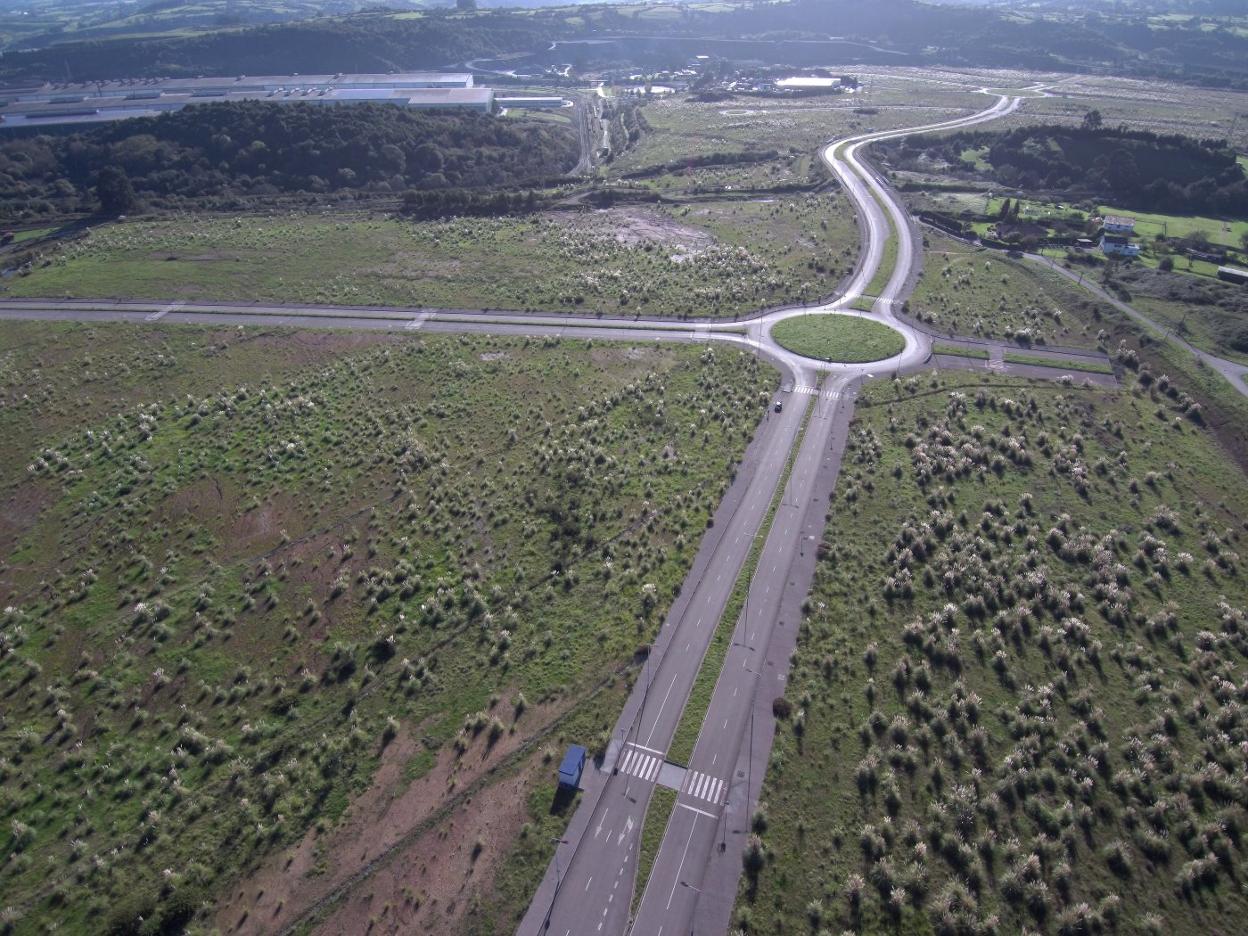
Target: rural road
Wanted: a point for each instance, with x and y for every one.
(588, 887)
(1236, 374)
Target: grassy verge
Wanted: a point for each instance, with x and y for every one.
(839, 338)
(888, 260)
(1089, 366)
(662, 802)
(939, 347)
(686, 736)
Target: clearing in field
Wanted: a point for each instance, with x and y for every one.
(843, 339)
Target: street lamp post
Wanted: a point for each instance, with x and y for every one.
(558, 881)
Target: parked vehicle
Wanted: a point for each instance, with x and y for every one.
(571, 768)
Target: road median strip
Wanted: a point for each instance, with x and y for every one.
(699, 701)
(653, 828)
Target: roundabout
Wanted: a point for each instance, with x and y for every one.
(838, 338)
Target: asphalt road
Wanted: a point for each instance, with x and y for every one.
(588, 886)
(1236, 374)
(681, 896)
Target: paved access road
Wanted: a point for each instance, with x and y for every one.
(1236, 374)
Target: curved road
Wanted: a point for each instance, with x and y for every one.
(589, 885)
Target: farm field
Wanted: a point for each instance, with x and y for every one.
(1012, 703)
(281, 604)
(709, 259)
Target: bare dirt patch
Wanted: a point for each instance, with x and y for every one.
(430, 886)
(640, 226)
(427, 878)
(19, 513)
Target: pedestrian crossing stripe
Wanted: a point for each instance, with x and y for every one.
(808, 391)
(637, 763)
(704, 787)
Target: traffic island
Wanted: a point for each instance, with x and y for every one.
(839, 339)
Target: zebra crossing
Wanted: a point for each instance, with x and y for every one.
(704, 787)
(814, 392)
(639, 763)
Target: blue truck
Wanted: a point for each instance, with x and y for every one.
(570, 769)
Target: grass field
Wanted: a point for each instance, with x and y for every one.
(1174, 227)
(846, 339)
(1140, 104)
(717, 259)
(974, 292)
(278, 599)
(683, 128)
(1009, 702)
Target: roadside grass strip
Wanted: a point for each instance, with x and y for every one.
(653, 827)
(939, 347)
(686, 736)
(1089, 366)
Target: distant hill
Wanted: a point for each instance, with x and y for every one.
(1212, 54)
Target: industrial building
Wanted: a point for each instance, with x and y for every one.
(54, 104)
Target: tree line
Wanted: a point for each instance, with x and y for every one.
(1133, 168)
(262, 148)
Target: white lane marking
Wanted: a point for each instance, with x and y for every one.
(628, 827)
(714, 758)
(662, 705)
(644, 748)
(681, 867)
(157, 316)
(700, 812)
(598, 831)
(590, 881)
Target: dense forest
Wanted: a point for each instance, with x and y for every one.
(259, 148)
(923, 32)
(1136, 169)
